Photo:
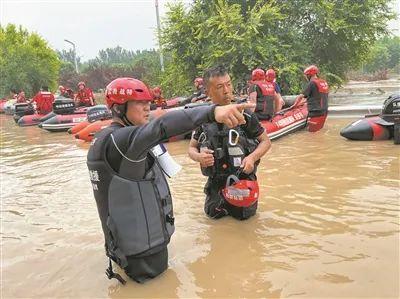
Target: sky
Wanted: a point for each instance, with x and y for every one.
(95, 24)
(91, 24)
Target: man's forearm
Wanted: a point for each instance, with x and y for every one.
(171, 124)
(262, 148)
(193, 154)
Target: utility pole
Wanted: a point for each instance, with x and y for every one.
(159, 37)
(76, 61)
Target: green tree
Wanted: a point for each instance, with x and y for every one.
(383, 56)
(67, 75)
(285, 34)
(69, 56)
(147, 62)
(213, 33)
(337, 34)
(111, 64)
(393, 46)
(378, 59)
(116, 55)
(26, 61)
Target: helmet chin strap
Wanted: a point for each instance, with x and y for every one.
(121, 114)
(126, 121)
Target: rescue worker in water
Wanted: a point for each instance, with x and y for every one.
(316, 95)
(227, 154)
(263, 93)
(132, 195)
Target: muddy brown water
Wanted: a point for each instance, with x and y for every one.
(327, 223)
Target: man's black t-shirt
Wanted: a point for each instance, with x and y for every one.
(256, 88)
(316, 101)
(311, 90)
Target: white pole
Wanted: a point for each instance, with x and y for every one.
(76, 61)
(159, 36)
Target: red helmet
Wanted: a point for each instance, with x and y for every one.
(311, 70)
(122, 90)
(257, 75)
(270, 75)
(82, 83)
(198, 80)
(242, 193)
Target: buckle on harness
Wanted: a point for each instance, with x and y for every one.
(170, 219)
(111, 274)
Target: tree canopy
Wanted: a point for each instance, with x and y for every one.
(26, 61)
(383, 55)
(110, 64)
(284, 34)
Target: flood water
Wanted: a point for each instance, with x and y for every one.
(327, 223)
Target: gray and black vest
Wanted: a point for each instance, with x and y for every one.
(227, 157)
(136, 215)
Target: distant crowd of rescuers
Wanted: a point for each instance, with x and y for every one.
(261, 89)
(44, 98)
(128, 169)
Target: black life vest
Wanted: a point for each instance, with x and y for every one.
(227, 157)
(319, 103)
(265, 103)
(136, 215)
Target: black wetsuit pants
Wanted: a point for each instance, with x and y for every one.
(143, 268)
(217, 207)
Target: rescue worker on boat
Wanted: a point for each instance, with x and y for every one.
(44, 101)
(21, 97)
(66, 92)
(84, 97)
(316, 96)
(199, 94)
(263, 94)
(158, 98)
(228, 155)
(127, 174)
(270, 76)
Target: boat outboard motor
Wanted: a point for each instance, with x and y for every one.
(63, 106)
(391, 115)
(22, 109)
(98, 112)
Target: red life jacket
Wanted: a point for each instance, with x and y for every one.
(265, 103)
(84, 96)
(319, 102)
(317, 105)
(44, 102)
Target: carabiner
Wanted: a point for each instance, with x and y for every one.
(230, 137)
(202, 137)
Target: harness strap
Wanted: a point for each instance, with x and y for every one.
(111, 274)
